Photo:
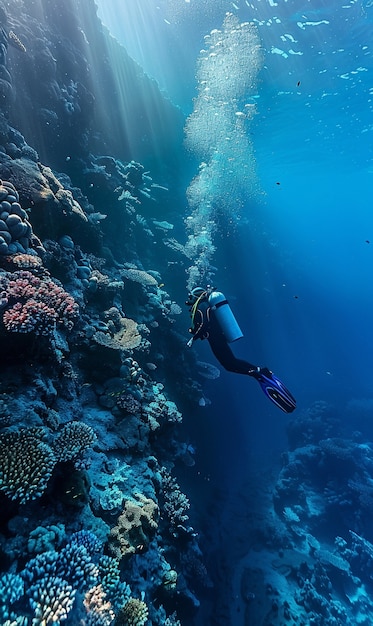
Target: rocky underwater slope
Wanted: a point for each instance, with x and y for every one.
(94, 527)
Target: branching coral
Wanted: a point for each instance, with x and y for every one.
(135, 527)
(176, 503)
(109, 575)
(72, 440)
(26, 464)
(98, 606)
(128, 403)
(52, 599)
(134, 613)
(11, 589)
(35, 305)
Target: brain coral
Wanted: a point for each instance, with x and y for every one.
(26, 464)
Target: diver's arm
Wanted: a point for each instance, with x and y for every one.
(200, 329)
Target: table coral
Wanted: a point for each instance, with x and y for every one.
(127, 338)
(26, 464)
(139, 276)
(135, 526)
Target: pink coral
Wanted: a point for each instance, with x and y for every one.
(34, 304)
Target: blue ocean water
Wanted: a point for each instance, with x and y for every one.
(296, 265)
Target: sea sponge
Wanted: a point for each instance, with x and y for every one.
(26, 464)
(136, 526)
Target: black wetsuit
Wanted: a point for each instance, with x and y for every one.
(205, 326)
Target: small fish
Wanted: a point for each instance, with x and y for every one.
(298, 83)
(278, 183)
(367, 241)
(295, 297)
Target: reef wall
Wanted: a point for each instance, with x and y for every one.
(95, 528)
(70, 88)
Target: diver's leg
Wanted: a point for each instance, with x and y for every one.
(226, 358)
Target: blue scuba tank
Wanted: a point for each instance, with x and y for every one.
(224, 316)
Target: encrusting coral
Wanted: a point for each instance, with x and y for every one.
(136, 525)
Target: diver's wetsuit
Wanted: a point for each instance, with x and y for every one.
(205, 326)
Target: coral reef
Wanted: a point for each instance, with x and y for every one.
(94, 367)
(34, 305)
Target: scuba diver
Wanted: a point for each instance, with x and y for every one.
(212, 319)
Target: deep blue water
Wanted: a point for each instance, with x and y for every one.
(297, 266)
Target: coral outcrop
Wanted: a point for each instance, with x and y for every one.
(136, 526)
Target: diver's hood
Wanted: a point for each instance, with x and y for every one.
(194, 295)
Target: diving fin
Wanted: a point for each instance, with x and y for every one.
(275, 390)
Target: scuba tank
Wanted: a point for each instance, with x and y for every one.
(224, 316)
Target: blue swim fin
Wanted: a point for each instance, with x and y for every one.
(275, 390)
